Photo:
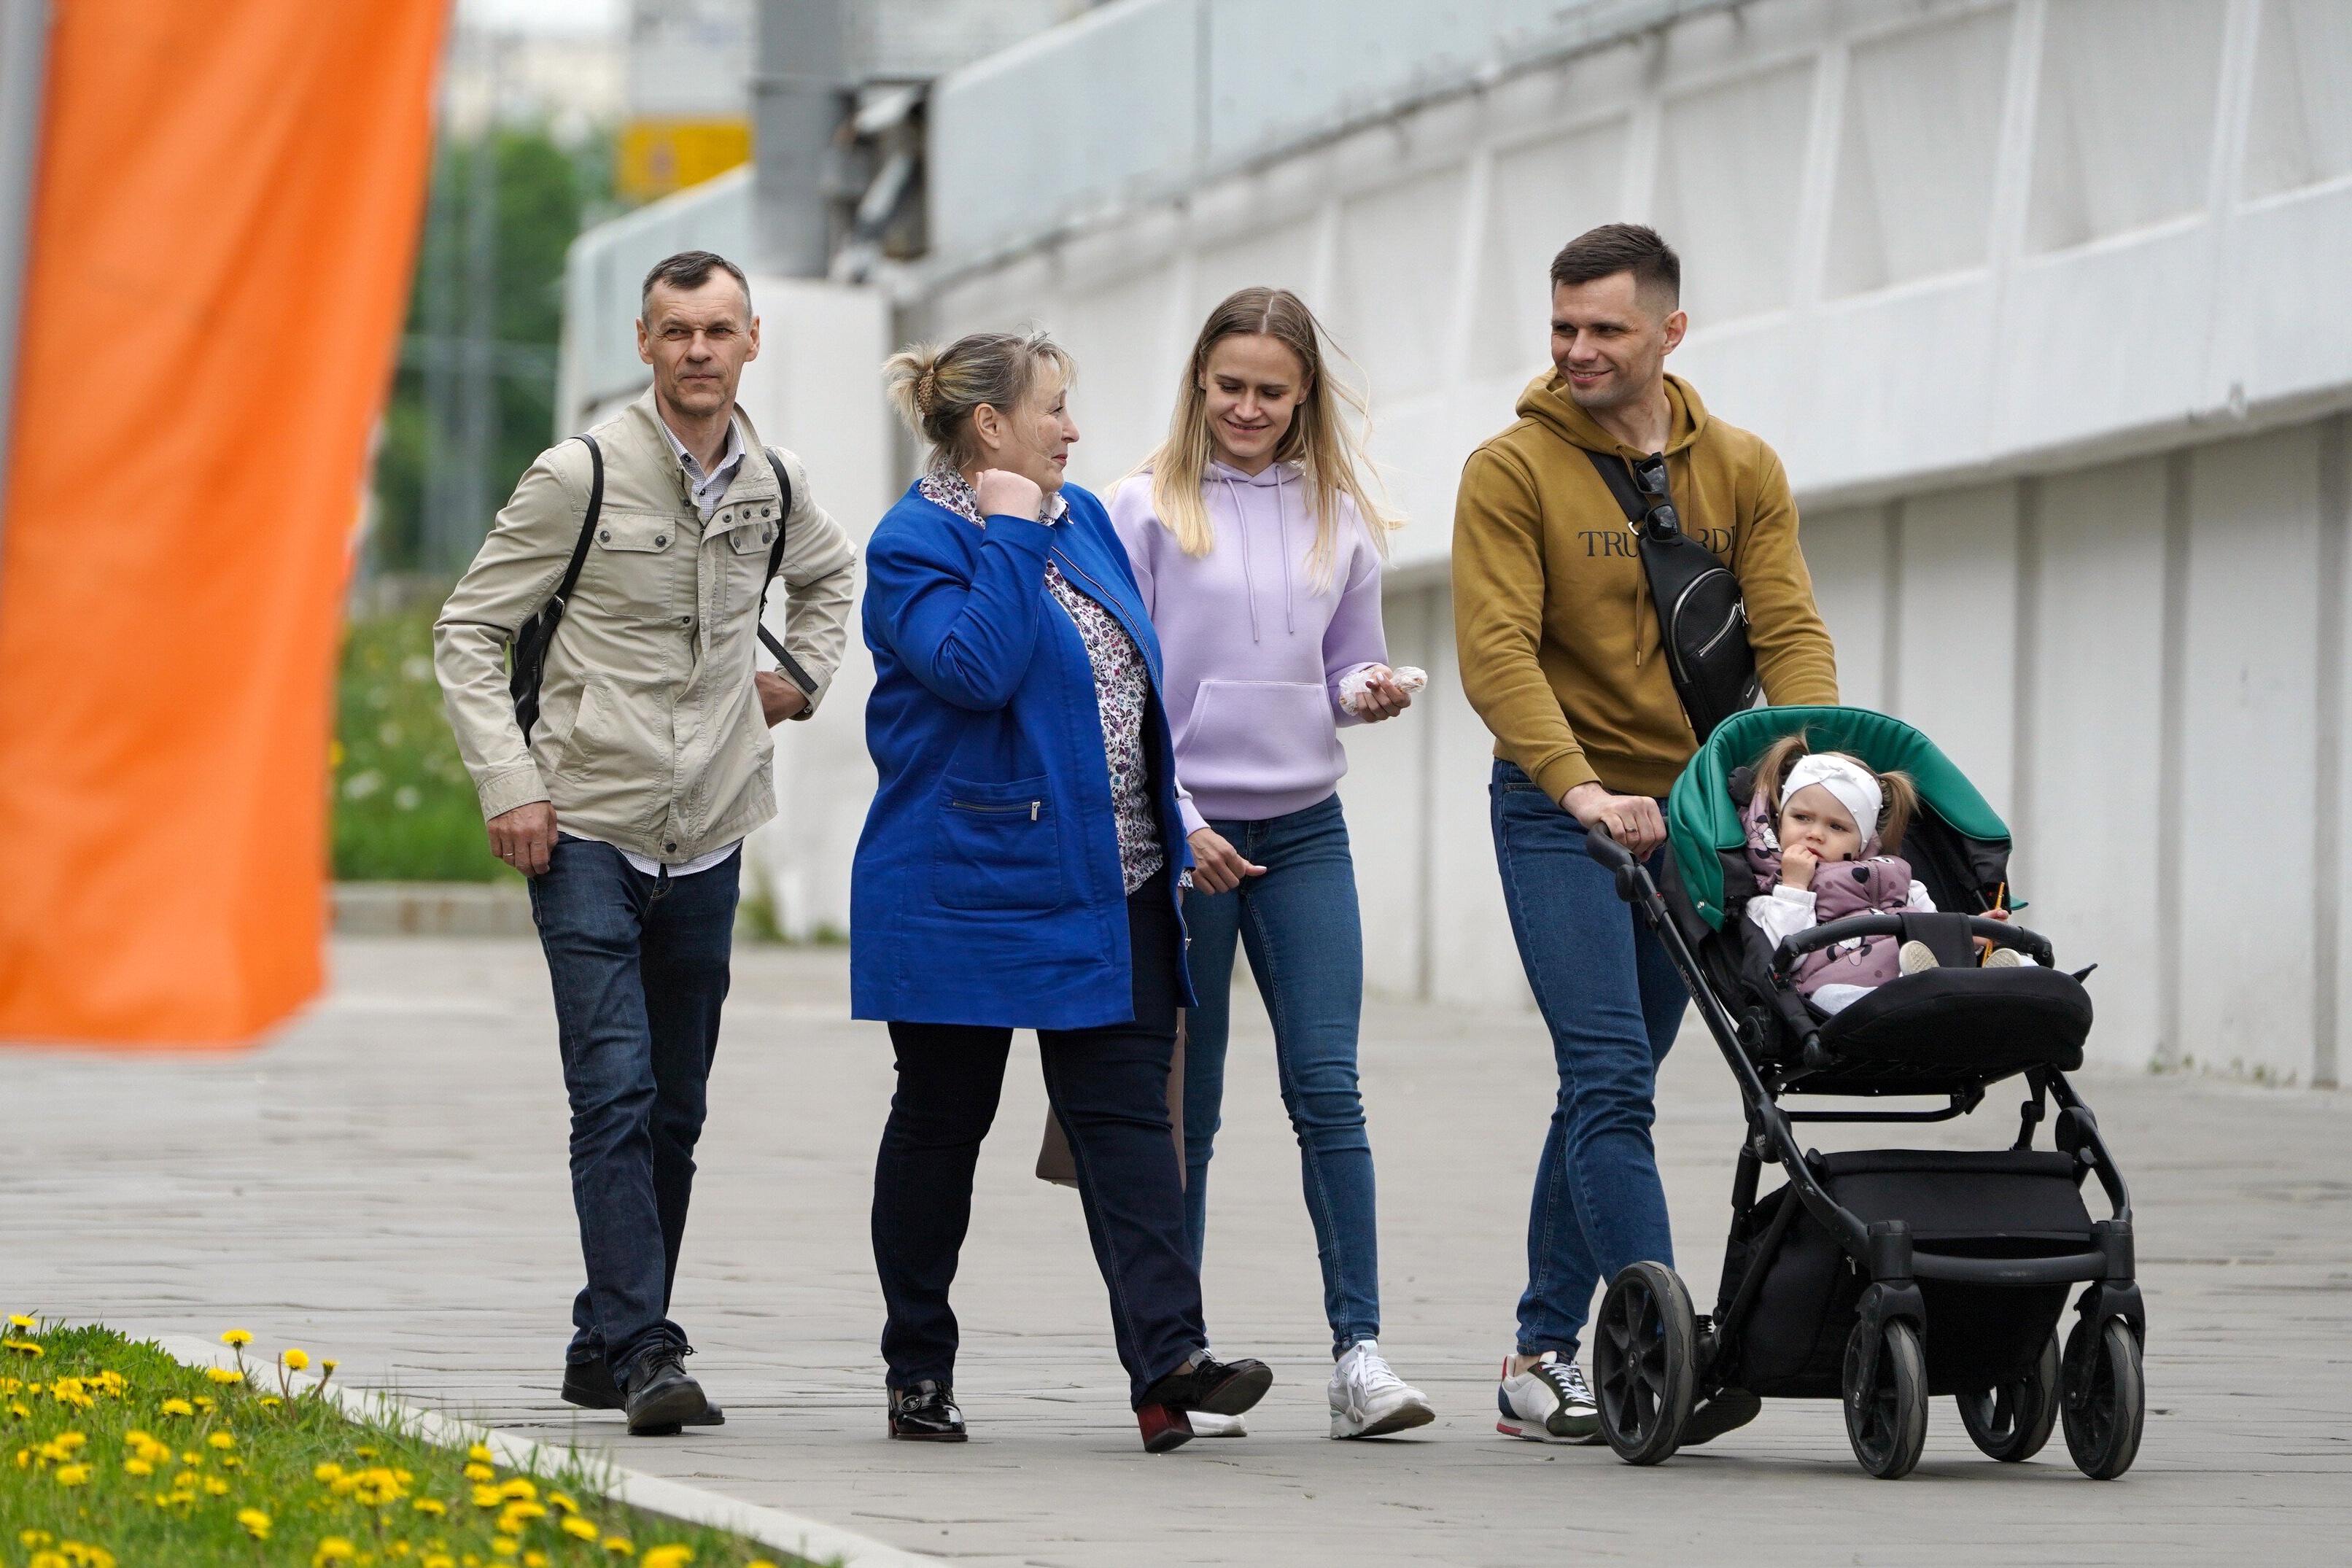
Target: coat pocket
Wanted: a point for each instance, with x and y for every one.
(1000, 846)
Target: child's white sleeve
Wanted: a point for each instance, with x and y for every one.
(1783, 915)
(1917, 898)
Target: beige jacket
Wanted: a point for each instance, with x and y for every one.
(649, 736)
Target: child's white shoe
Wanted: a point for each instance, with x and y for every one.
(1915, 956)
(2003, 958)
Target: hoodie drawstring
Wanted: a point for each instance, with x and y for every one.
(1282, 546)
(1249, 578)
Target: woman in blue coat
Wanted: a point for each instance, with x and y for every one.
(1019, 869)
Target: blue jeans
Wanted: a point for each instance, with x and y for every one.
(639, 966)
(1612, 1001)
(1299, 924)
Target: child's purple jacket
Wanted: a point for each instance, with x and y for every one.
(1254, 651)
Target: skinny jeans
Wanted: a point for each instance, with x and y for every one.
(1612, 1001)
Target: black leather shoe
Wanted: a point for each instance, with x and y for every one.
(1219, 1387)
(926, 1413)
(590, 1386)
(661, 1396)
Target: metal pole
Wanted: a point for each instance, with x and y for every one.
(23, 63)
(480, 389)
(799, 96)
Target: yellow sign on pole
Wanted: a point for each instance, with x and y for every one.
(659, 156)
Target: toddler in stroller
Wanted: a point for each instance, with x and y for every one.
(1812, 810)
(1879, 1278)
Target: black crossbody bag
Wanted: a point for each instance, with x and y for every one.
(1701, 614)
(527, 665)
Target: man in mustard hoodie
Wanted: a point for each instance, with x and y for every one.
(1562, 657)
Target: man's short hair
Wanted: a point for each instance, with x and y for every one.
(1615, 247)
(689, 270)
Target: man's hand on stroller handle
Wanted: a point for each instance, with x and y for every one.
(1634, 821)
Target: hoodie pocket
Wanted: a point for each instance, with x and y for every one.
(1000, 846)
(1259, 737)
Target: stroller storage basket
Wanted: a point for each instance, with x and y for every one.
(1967, 1204)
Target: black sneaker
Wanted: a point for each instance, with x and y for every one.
(590, 1386)
(661, 1396)
(926, 1413)
(1734, 1407)
(1219, 1387)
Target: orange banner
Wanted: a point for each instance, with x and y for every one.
(223, 232)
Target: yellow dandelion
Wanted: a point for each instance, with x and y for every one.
(204, 1402)
(487, 1497)
(34, 1537)
(327, 1470)
(433, 1505)
(191, 1458)
(534, 1560)
(562, 1500)
(17, 1408)
(437, 1560)
(578, 1528)
(69, 1441)
(295, 1360)
(520, 1490)
(478, 1454)
(334, 1548)
(178, 1407)
(137, 1468)
(19, 1321)
(23, 1347)
(619, 1546)
(222, 1440)
(504, 1546)
(215, 1486)
(255, 1522)
(231, 1462)
(480, 1473)
(270, 1402)
(526, 1510)
(224, 1375)
(236, 1337)
(73, 1475)
(671, 1556)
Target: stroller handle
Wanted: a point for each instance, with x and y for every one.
(1812, 940)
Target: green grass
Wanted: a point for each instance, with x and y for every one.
(404, 808)
(113, 1455)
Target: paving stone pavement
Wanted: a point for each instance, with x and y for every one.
(384, 1182)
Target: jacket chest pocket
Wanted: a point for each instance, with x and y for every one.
(999, 848)
(639, 554)
(750, 541)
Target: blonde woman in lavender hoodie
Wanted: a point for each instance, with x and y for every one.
(1258, 554)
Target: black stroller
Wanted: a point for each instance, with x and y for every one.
(1882, 1278)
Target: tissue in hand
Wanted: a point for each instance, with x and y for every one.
(1352, 686)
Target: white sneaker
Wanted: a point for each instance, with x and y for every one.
(1549, 1403)
(1206, 1424)
(1368, 1400)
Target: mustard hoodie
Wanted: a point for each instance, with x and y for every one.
(1559, 638)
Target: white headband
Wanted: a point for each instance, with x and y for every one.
(1856, 787)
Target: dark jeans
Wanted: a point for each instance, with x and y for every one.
(1306, 945)
(1109, 1087)
(1613, 1003)
(639, 965)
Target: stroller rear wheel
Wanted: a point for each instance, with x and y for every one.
(2106, 1399)
(1644, 1359)
(2011, 1422)
(1887, 1400)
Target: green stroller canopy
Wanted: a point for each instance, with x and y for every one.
(1703, 820)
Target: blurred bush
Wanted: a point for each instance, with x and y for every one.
(404, 809)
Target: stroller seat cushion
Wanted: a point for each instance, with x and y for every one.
(1978, 1020)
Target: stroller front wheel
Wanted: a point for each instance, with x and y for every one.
(1887, 1400)
(2105, 1398)
(1645, 1362)
(2011, 1422)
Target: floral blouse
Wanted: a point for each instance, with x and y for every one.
(1122, 688)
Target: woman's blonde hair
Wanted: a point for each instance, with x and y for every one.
(1328, 448)
(935, 389)
(1902, 795)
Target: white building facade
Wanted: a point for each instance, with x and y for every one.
(2040, 300)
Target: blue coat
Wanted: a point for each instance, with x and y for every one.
(987, 887)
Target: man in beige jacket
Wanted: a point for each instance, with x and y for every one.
(627, 802)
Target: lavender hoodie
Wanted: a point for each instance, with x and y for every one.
(1253, 652)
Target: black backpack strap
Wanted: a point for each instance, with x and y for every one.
(588, 519)
(1617, 475)
(786, 665)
